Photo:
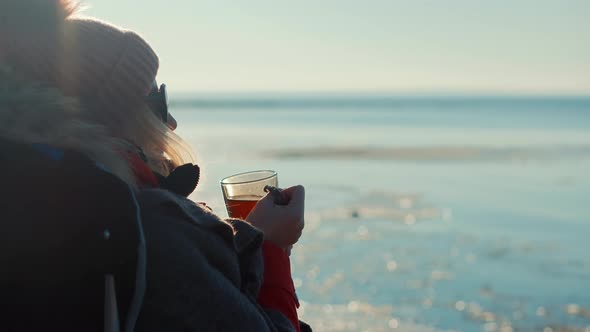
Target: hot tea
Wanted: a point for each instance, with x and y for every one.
(240, 206)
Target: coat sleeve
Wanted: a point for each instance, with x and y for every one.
(277, 291)
(203, 274)
(266, 275)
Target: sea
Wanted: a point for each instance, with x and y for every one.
(423, 213)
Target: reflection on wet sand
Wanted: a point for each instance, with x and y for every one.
(356, 316)
(400, 276)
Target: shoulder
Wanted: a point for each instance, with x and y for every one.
(175, 223)
(194, 236)
(162, 204)
(165, 205)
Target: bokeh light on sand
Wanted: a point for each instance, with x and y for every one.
(391, 265)
(393, 323)
(460, 305)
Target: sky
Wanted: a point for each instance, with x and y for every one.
(533, 47)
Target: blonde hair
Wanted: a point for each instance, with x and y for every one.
(105, 126)
(35, 113)
(134, 122)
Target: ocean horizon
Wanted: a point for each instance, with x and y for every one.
(371, 100)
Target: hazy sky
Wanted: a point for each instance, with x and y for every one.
(447, 46)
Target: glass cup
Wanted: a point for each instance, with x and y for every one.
(242, 191)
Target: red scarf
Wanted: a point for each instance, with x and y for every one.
(143, 173)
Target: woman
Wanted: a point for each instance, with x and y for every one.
(203, 273)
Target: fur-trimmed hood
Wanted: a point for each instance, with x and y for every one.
(34, 113)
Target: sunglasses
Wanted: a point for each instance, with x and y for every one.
(157, 100)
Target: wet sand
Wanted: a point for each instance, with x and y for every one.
(432, 153)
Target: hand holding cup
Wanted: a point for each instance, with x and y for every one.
(282, 224)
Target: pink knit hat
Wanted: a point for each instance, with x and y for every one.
(80, 56)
